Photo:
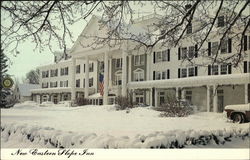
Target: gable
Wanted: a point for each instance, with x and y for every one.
(87, 37)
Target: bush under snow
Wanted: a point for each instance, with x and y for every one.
(51, 138)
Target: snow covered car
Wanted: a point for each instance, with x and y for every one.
(239, 113)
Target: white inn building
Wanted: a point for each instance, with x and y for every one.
(151, 78)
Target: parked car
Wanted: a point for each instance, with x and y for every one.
(238, 113)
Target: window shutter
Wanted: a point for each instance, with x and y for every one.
(179, 73)
(209, 48)
(196, 51)
(249, 42)
(245, 66)
(229, 69)
(154, 75)
(245, 43)
(209, 69)
(196, 71)
(154, 58)
(168, 54)
(179, 53)
(229, 45)
(168, 74)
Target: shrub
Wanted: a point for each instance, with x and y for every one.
(123, 103)
(174, 108)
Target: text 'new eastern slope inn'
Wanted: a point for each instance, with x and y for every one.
(151, 78)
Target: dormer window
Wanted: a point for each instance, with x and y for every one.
(221, 21)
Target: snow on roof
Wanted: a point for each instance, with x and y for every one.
(96, 95)
(193, 81)
(25, 89)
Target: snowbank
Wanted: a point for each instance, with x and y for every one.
(14, 134)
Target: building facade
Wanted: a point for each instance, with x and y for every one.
(152, 78)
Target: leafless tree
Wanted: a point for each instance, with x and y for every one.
(48, 21)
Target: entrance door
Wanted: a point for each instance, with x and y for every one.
(55, 99)
(38, 99)
(220, 103)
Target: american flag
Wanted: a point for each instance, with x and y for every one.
(101, 85)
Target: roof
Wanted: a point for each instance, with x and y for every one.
(25, 88)
(193, 81)
(96, 95)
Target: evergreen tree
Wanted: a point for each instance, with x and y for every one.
(3, 66)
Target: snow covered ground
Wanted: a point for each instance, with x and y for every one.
(29, 125)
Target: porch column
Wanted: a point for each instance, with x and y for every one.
(183, 94)
(150, 97)
(246, 93)
(129, 67)
(86, 94)
(124, 73)
(148, 66)
(73, 79)
(208, 98)
(106, 79)
(156, 97)
(215, 99)
(177, 93)
(110, 72)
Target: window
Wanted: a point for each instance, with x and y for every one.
(165, 55)
(191, 72)
(64, 83)
(53, 84)
(191, 52)
(91, 67)
(101, 66)
(183, 72)
(138, 75)
(78, 68)
(45, 85)
(78, 83)
(223, 46)
(221, 22)
(215, 47)
(118, 63)
(91, 82)
(184, 53)
(65, 97)
(64, 71)
(53, 72)
(61, 83)
(139, 60)
(164, 75)
(158, 56)
(139, 97)
(158, 75)
(189, 96)
(162, 98)
(118, 79)
(223, 69)
(45, 74)
(189, 28)
(215, 70)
